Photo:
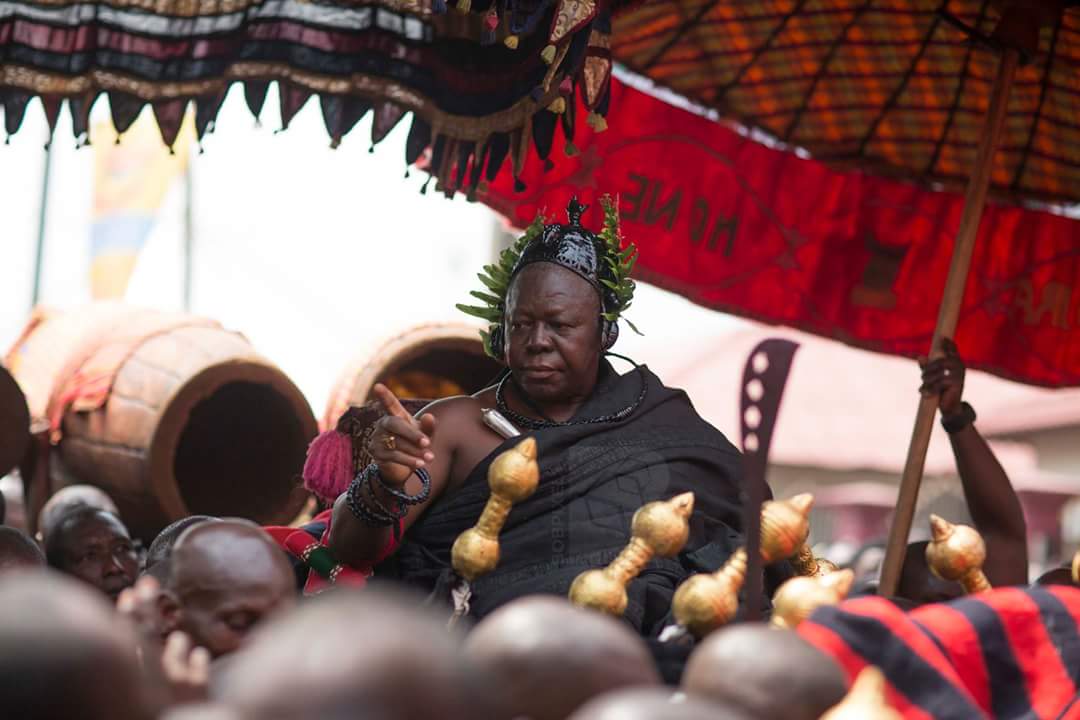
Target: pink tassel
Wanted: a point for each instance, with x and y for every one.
(329, 466)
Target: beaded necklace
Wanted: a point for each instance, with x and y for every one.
(534, 424)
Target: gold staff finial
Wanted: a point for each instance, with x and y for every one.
(659, 528)
(1076, 568)
(785, 525)
(800, 596)
(706, 601)
(865, 700)
(957, 553)
(512, 477)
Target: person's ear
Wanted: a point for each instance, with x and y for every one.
(169, 611)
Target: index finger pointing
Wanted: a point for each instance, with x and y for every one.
(389, 401)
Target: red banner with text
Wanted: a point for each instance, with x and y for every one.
(737, 226)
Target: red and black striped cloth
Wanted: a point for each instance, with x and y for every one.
(1010, 653)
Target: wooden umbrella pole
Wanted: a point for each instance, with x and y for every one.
(952, 298)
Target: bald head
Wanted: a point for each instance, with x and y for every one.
(535, 645)
(224, 578)
(650, 704)
(1057, 576)
(58, 641)
(71, 497)
(347, 654)
(161, 548)
(18, 550)
(201, 711)
(11, 490)
(771, 674)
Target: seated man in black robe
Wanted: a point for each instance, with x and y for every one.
(608, 443)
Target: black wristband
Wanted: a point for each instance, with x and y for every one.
(959, 421)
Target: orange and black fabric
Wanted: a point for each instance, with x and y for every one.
(1010, 653)
(893, 86)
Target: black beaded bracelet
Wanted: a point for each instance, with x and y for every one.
(373, 514)
(959, 421)
(401, 495)
(365, 513)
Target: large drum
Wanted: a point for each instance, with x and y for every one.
(170, 414)
(428, 362)
(14, 423)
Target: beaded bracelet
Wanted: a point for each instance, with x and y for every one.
(401, 495)
(374, 514)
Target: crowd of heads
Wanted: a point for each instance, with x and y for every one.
(206, 623)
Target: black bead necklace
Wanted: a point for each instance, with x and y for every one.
(534, 424)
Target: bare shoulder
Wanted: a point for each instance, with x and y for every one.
(453, 407)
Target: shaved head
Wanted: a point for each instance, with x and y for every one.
(18, 550)
(201, 711)
(550, 657)
(160, 549)
(11, 489)
(68, 498)
(1057, 576)
(652, 704)
(347, 654)
(770, 674)
(223, 578)
(64, 654)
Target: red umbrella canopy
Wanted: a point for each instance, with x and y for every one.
(763, 233)
(893, 86)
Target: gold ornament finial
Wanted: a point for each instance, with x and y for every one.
(706, 601)
(512, 477)
(865, 700)
(957, 553)
(1076, 568)
(797, 598)
(806, 563)
(659, 528)
(785, 525)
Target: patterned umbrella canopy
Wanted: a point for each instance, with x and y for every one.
(893, 86)
(472, 76)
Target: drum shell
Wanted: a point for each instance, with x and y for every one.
(195, 421)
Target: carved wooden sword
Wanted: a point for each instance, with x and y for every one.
(764, 379)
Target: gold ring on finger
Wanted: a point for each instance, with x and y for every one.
(389, 442)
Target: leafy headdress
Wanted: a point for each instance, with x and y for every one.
(599, 259)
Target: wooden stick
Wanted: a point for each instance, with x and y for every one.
(951, 301)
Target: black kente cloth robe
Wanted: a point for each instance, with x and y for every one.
(593, 477)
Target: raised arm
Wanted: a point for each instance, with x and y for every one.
(401, 446)
(994, 506)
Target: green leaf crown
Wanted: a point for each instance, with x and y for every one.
(618, 288)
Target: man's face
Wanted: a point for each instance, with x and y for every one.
(99, 551)
(219, 615)
(553, 333)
